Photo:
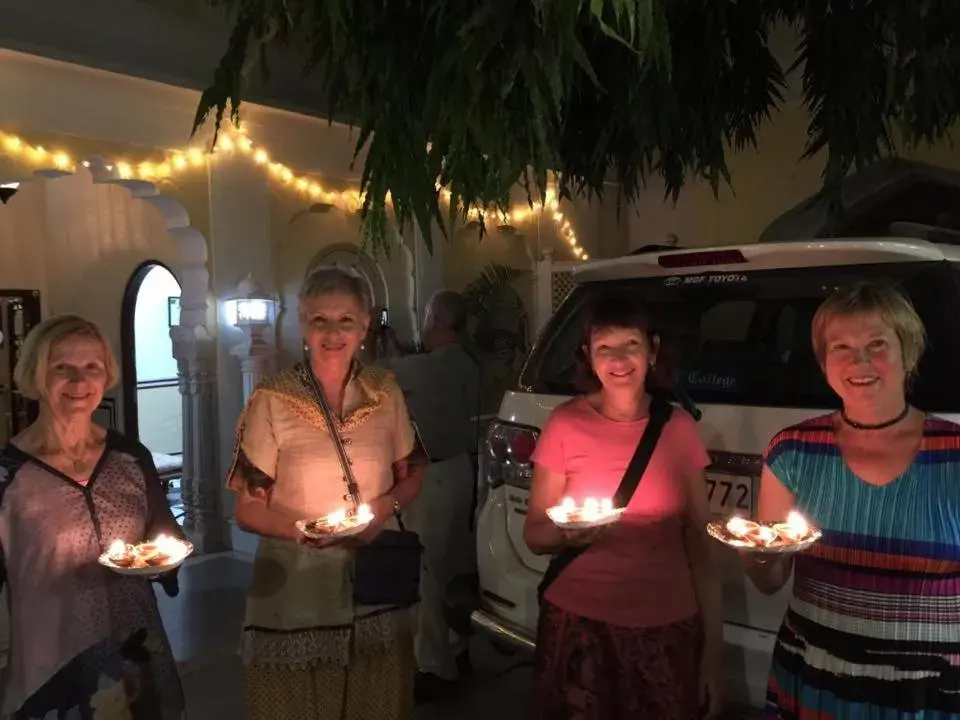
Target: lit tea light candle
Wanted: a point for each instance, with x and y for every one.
(740, 527)
(169, 546)
(336, 518)
(117, 548)
(764, 535)
(795, 528)
(364, 514)
(798, 523)
(592, 510)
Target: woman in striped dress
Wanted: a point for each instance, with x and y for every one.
(873, 627)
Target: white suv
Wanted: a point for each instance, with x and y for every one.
(739, 317)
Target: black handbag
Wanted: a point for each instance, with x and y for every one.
(387, 570)
(660, 412)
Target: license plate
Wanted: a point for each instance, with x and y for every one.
(730, 494)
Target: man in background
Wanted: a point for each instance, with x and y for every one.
(441, 387)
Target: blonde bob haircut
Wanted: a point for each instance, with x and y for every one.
(30, 374)
(873, 298)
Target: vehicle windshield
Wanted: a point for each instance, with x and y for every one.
(744, 338)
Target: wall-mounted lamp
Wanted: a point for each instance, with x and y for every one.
(253, 311)
(249, 306)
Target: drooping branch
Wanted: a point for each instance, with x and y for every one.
(478, 95)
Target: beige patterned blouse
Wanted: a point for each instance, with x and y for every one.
(300, 608)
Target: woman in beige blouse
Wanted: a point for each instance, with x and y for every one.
(309, 652)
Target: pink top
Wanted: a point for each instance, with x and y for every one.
(636, 574)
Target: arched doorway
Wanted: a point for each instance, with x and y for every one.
(152, 406)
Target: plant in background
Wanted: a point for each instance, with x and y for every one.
(475, 96)
(497, 329)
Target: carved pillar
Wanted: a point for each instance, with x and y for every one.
(257, 359)
(542, 292)
(201, 483)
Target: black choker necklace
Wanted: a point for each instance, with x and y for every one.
(879, 426)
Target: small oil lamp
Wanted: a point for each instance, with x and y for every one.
(740, 527)
(764, 535)
(796, 527)
(592, 510)
(170, 547)
(364, 515)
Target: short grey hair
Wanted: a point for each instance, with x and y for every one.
(450, 310)
(331, 279)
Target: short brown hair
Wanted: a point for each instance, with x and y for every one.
(869, 298)
(618, 309)
(30, 374)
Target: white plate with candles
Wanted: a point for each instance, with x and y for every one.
(337, 525)
(592, 514)
(152, 557)
(793, 536)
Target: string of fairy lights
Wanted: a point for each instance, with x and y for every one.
(236, 141)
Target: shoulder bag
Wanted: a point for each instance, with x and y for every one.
(387, 570)
(660, 412)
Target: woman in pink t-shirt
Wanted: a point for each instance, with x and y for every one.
(632, 627)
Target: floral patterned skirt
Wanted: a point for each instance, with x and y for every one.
(374, 686)
(589, 670)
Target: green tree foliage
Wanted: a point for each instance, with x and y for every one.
(477, 95)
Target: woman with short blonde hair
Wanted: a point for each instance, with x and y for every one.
(29, 375)
(883, 300)
(313, 649)
(83, 640)
(873, 626)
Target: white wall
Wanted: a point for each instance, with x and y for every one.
(78, 244)
(160, 419)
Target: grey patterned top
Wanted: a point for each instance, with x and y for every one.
(82, 637)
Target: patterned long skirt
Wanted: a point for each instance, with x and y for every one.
(588, 670)
(376, 686)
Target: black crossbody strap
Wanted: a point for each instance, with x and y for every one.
(353, 490)
(660, 412)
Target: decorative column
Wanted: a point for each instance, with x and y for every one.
(542, 292)
(253, 311)
(201, 483)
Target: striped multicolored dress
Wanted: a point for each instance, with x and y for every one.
(873, 627)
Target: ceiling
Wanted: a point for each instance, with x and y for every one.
(178, 42)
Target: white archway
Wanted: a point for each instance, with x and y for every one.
(345, 255)
(193, 347)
